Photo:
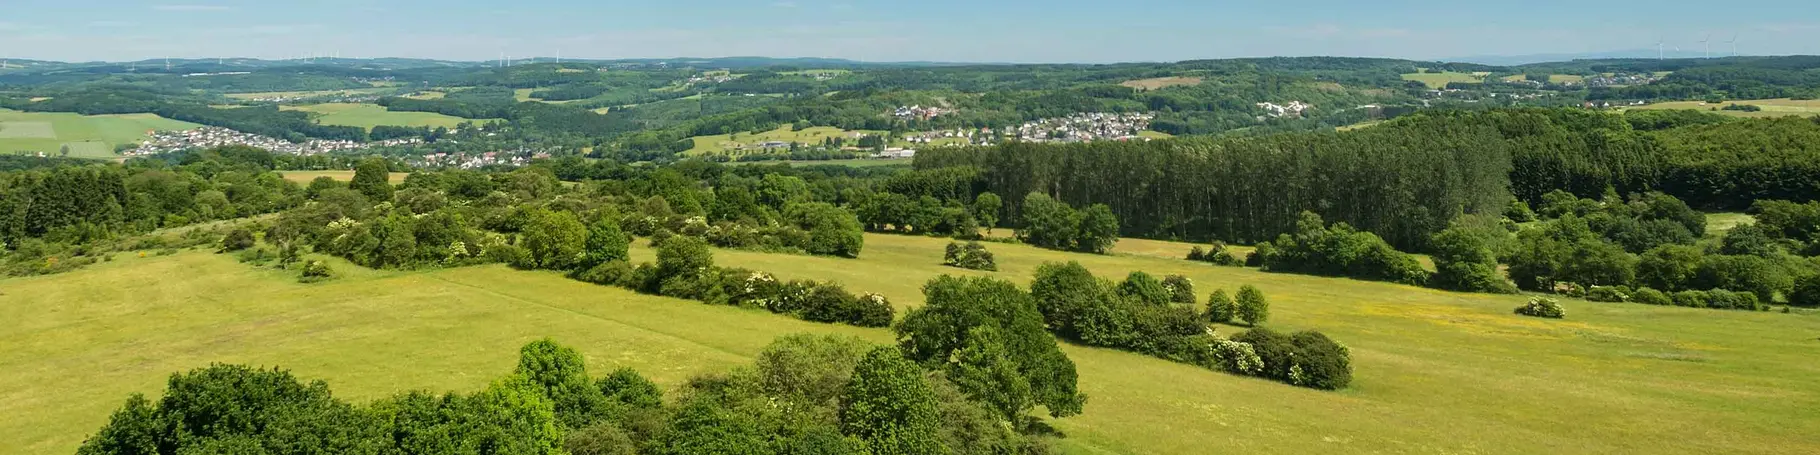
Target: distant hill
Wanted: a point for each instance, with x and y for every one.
(1516, 60)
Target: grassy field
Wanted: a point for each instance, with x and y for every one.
(1161, 82)
(722, 143)
(1779, 107)
(307, 94)
(344, 176)
(1717, 224)
(850, 163)
(1440, 80)
(370, 115)
(1436, 372)
(87, 136)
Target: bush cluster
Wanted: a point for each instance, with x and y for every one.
(1340, 250)
(685, 269)
(1307, 359)
(971, 256)
(1052, 224)
(1079, 307)
(1219, 254)
(1542, 307)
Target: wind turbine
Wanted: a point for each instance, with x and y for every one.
(1707, 42)
(1659, 50)
(1734, 43)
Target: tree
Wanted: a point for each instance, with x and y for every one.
(1749, 239)
(1669, 267)
(1181, 289)
(683, 256)
(555, 239)
(1321, 363)
(625, 386)
(562, 376)
(955, 306)
(372, 178)
(1464, 262)
(984, 370)
(889, 405)
(1252, 305)
(1099, 230)
(833, 231)
(397, 242)
(810, 369)
(1221, 308)
(238, 239)
(606, 242)
(986, 208)
(1048, 223)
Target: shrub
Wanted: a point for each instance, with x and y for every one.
(1614, 294)
(971, 256)
(607, 273)
(1728, 300)
(1806, 293)
(1235, 357)
(1691, 299)
(1252, 306)
(1275, 350)
(1340, 250)
(1221, 308)
(314, 271)
(1218, 255)
(1321, 363)
(1542, 308)
(1181, 289)
(1144, 288)
(238, 239)
(1649, 296)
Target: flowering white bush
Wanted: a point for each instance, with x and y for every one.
(1542, 308)
(1237, 358)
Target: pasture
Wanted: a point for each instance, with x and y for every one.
(304, 177)
(1441, 79)
(725, 143)
(1436, 372)
(1161, 82)
(87, 136)
(1779, 107)
(370, 115)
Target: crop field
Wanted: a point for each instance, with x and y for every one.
(305, 177)
(865, 162)
(370, 115)
(1161, 82)
(1436, 372)
(1439, 80)
(87, 136)
(1779, 107)
(724, 143)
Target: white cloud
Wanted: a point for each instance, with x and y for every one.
(190, 8)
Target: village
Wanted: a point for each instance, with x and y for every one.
(209, 137)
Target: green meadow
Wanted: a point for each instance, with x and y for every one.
(1435, 372)
(370, 115)
(1440, 80)
(87, 136)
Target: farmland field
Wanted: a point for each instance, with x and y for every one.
(371, 115)
(1161, 82)
(1439, 80)
(344, 176)
(867, 162)
(1436, 372)
(1779, 107)
(87, 136)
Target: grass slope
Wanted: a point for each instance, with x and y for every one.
(1780, 107)
(1440, 80)
(370, 115)
(305, 177)
(88, 136)
(724, 143)
(1436, 372)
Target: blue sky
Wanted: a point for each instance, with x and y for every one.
(895, 30)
